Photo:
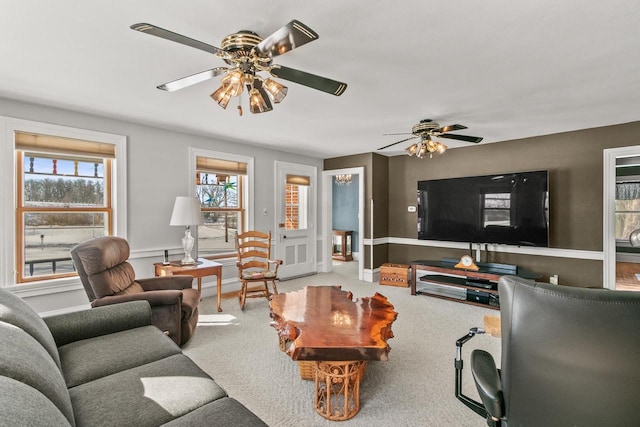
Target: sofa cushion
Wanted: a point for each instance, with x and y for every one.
(222, 412)
(148, 395)
(21, 405)
(15, 311)
(88, 359)
(25, 360)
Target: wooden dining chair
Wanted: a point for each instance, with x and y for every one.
(255, 265)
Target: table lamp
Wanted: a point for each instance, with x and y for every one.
(186, 212)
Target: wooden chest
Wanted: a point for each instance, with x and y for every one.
(394, 275)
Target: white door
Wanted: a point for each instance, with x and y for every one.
(295, 236)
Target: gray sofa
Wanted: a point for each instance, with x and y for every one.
(107, 366)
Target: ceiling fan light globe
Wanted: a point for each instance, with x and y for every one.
(256, 102)
(234, 82)
(441, 148)
(221, 96)
(412, 149)
(275, 90)
(424, 148)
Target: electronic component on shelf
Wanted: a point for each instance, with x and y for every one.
(478, 296)
(481, 283)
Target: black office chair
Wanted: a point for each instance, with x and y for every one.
(570, 357)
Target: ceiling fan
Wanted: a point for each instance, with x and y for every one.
(247, 54)
(426, 129)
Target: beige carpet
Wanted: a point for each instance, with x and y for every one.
(414, 388)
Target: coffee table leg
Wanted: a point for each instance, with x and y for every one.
(338, 389)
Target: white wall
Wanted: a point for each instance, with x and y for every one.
(158, 171)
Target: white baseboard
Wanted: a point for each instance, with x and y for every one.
(371, 276)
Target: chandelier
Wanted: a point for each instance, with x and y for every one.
(343, 179)
(426, 145)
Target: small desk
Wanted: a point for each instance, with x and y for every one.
(203, 267)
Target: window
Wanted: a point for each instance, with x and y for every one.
(627, 214)
(221, 186)
(296, 202)
(69, 186)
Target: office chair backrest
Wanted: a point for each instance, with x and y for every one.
(570, 356)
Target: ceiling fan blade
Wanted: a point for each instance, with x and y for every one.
(401, 133)
(192, 79)
(289, 37)
(466, 138)
(310, 80)
(450, 128)
(175, 37)
(391, 145)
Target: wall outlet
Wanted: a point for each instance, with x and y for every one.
(553, 279)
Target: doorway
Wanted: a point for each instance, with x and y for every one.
(621, 215)
(356, 225)
(296, 212)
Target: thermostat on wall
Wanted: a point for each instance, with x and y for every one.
(411, 208)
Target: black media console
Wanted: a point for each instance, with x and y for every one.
(441, 279)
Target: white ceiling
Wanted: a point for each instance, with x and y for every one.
(506, 69)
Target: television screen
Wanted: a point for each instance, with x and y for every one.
(510, 209)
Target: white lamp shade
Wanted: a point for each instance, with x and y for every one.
(186, 211)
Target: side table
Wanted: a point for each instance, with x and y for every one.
(203, 267)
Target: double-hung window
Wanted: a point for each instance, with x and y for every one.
(64, 193)
(221, 185)
(627, 214)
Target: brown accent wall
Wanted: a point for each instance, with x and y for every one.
(575, 164)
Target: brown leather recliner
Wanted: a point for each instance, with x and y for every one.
(108, 278)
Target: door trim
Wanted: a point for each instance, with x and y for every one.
(608, 211)
(327, 219)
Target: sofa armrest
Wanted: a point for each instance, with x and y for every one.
(166, 282)
(79, 325)
(488, 383)
(154, 298)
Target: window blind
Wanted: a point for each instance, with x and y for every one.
(49, 144)
(298, 180)
(217, 166)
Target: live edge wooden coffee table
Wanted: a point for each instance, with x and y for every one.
(323, 325)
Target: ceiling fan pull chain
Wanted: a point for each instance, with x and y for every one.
(240, 106)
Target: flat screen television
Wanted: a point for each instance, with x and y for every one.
(510, 208)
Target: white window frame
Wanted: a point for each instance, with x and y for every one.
(248, 189)
(8, 128)
(619, 179)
